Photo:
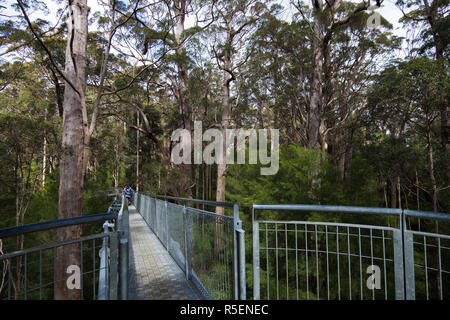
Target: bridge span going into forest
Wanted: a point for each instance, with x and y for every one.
(162, 247)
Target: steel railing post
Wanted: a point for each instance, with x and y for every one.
(187, 241)
(408, 260)
(398, 265)
(238, 256)
(114, 263)
(123, 231)
(167, 226)
(107, 262)
(242, 282)
(235, 255)
(256, 284)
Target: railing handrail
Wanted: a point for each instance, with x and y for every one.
(354, 209)
(213, 214)
(328, 208)
(55, 244)
(53, 224)
(199, 201)
(427, 214)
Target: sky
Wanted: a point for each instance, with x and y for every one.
(388, 10)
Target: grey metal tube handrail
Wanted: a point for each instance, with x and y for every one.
(325, 208)
(427, 215)
(49, 246)
(199, 201)
(351, 209)
(212, 214)
(42, 226)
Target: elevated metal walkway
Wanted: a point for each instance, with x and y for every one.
(167, 248)
(153, 274)
(162, 251)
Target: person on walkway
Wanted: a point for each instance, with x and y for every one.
(128, 191)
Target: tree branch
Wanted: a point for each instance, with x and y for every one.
(19, 2)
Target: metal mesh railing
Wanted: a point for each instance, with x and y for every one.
(176, 240)
(211, 243)
(204, 244)
(429, 254)
(160, 222)
(30, 273)
(314, 260)
(93, 262)
(323, 261)
(431, 266)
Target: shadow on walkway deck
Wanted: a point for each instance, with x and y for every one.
(153, 275)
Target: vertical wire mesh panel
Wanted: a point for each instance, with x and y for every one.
(160, 223)
(209, 255)
(137, 201)
(143, 210)
(312, 261)
(148, 211)
(152, 213)
(431, 263)
(176, 246)
(211, 244)
(142, 203)
(30, 273)
(147, 208)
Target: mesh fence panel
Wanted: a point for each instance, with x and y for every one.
(31, 273)
(210, 250)
(315, 261)
(176, 226)
(211, 237)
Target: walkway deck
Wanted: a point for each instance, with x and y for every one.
(154, 275)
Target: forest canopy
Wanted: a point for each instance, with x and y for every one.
(91, 92)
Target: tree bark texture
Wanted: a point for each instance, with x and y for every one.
(74, 129)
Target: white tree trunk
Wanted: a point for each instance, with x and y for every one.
(74, 138)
